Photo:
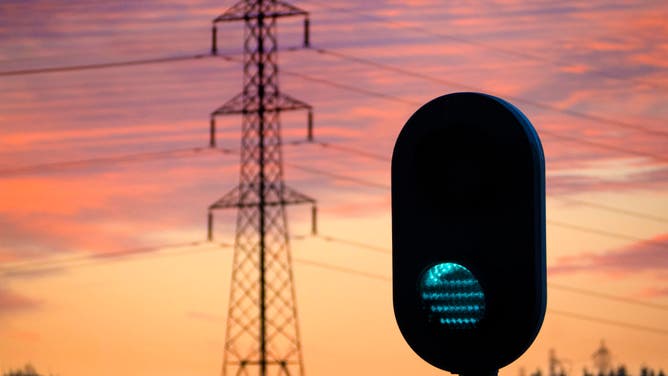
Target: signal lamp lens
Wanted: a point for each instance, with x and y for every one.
(452, 296)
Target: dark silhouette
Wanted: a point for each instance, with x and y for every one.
(262, 312)
(27, 370)
(466, 164)
(618, 371)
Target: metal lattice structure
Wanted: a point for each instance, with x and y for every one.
(262, 328)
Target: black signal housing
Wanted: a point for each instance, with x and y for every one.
(468, 197)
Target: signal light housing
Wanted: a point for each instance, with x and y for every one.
(468, 233)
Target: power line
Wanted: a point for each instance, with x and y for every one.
(398, 99)
(125, 63)
(385, 96)
(144, 156)
(459, 39)
(343, 269)
(599, 145)
(600, 320)
(382, 158)
(556, 286)
(368, 247)
(505, 51)
(352, 150)
(609, 234)
(135, 157)
(578, 316)
(49, 264)
(19, 269)
(358, 181)
(379, 94)
(352, 88)
(184, 152)
(348, 57)
(175, 153)
(597, 294)
(106, 256)
(368, 183)
(573, 113)
(613, 209)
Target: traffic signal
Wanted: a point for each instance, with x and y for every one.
(468, 233)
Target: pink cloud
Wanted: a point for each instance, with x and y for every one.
(653, 292)
(11, 302)
(30, 272)
(587, 179)
(648, 255)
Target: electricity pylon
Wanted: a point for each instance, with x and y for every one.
(262, 328)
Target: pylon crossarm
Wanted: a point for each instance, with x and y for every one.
(273, 362)
(232, 106)
(229, 200)
(232, 199)
(234, 13)
(283, 102)
(252, 204)
(295, 197)
(288, 9)
(241, 11)
(288, 103)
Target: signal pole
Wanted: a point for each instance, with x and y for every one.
(262, 328)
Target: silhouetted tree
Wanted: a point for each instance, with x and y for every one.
(621, 371)
(27, 370)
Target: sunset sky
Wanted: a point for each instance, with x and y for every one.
(592, 76)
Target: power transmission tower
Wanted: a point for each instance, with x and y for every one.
(262, 328)
(556, 365)
(602, 360)
(553, 363)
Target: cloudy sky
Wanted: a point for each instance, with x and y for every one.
(113, 160)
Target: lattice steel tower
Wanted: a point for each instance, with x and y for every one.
(262, 328)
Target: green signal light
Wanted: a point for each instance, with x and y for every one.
(452, 296)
